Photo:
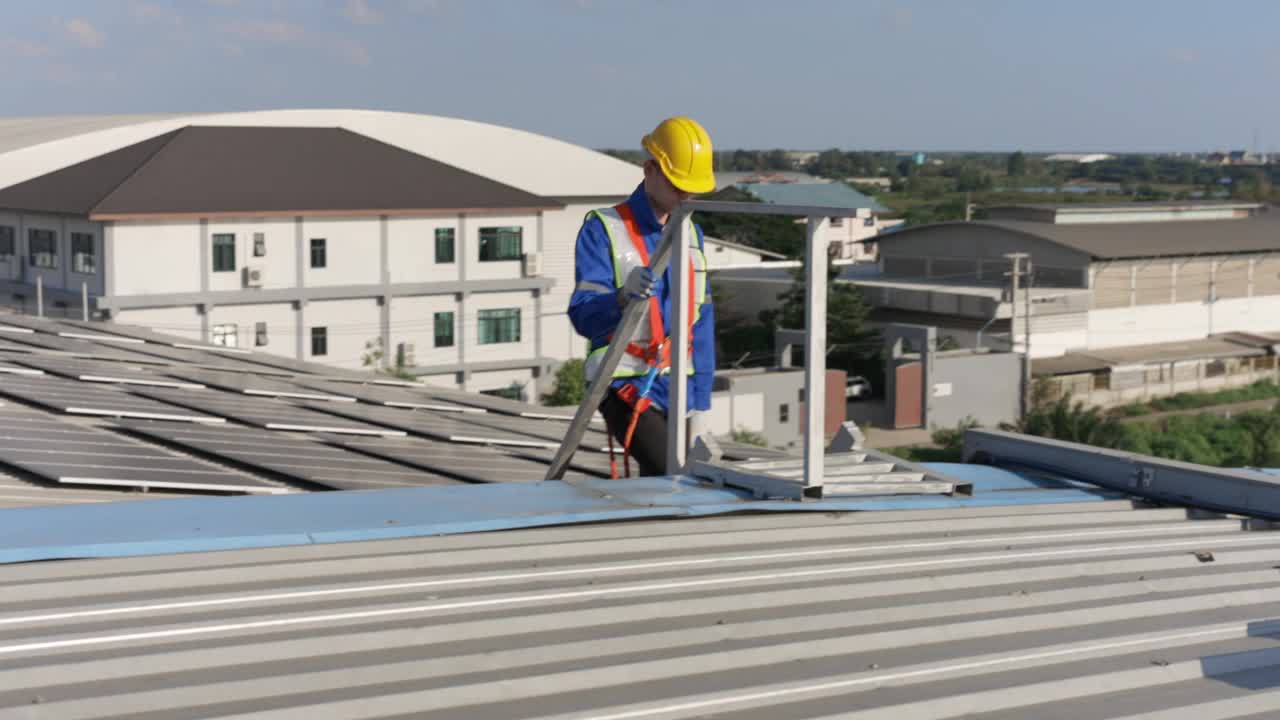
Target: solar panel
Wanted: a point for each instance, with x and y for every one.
(253, 385)
(101, 372)
(10, 346)
(81, 398)
(389, 395)
(11, 369)
(429, 424)
(583, 461)
(594, 438)
(80, 348)
(263, 412)
(58, 451)
(291, 456)
(200, 359)
(467, 462)
(136, 332)
(504, 406)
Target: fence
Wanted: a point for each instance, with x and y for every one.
(1121, 385)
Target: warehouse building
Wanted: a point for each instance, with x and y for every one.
(331, 235)
(1127, 279)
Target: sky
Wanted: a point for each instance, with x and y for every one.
(1036, 75)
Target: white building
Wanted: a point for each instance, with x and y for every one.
(723, 254)
(847, 236)
(311, 233)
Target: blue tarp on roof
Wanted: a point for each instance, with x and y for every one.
(836, 195)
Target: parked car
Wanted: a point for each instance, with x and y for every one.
(857, 388)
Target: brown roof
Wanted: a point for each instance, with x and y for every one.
(262, 171)
(1114, 241)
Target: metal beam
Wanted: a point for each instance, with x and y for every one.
(815, 351)
(1246, 492)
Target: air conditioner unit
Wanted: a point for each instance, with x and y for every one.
(532, 264)
(405, 356)
(254, 275)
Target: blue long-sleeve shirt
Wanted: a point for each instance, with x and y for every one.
(594, 310)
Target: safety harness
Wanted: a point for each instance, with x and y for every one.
(656, 354)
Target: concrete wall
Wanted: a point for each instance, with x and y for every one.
(412, 246)
(719, 255)
(281, 320)
(158, 258)
(184, 321)
(413, 321)
(982, 386)
(762, 395)
(352, 252)
(501, 379)
(350, 324)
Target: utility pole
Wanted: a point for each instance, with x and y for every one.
(1016, 275)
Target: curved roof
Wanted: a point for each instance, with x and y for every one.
(30, 147)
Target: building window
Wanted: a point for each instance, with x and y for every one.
(317, 253)
(43, 248)
(869, 222)
(837, 222)
(444, 329)
(260, 334)
(82, 257)
(319, 341)
(7, 244)
(224, 253)
(259, 245)
(226, 335)
(501, 243)
(514, 391)
(784, 413)
(444, 246)
(499, 326)
(719, 248)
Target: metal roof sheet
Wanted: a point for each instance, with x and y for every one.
(1105, 611)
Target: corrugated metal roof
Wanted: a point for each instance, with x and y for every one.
(1098, 611)
(836, 195)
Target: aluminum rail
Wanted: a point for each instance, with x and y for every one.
(632, 315)
(1182, 483)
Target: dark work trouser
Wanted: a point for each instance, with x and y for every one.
(649, 443)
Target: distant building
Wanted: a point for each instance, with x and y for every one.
(723, 253)
(847, 235)
(1079, 158)
(1235, 157)
(1106, 278)
(801, 158)
(882, 183)
(309, 233)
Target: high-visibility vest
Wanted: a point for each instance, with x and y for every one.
(629, 252)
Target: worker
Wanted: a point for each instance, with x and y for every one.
(611, 261)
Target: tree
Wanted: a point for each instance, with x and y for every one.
(570, 386)
(848, 340)
(1016, 166)
(775, 233)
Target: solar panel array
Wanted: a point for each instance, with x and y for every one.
(247, 384)
(330, 428)
(426, 423)
(266, 413)
(470, 463)
(293, 457)
(389, 395)
(62, 452)
(102, 372)
(81, 398)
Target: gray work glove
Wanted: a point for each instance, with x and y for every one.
(699, 425)
(639, 285)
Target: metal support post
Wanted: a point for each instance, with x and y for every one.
(678, 388)
(39, 295)
(1015, 275)
(84, 301)
(815, 351)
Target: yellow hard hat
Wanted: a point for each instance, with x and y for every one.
(682, 149)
